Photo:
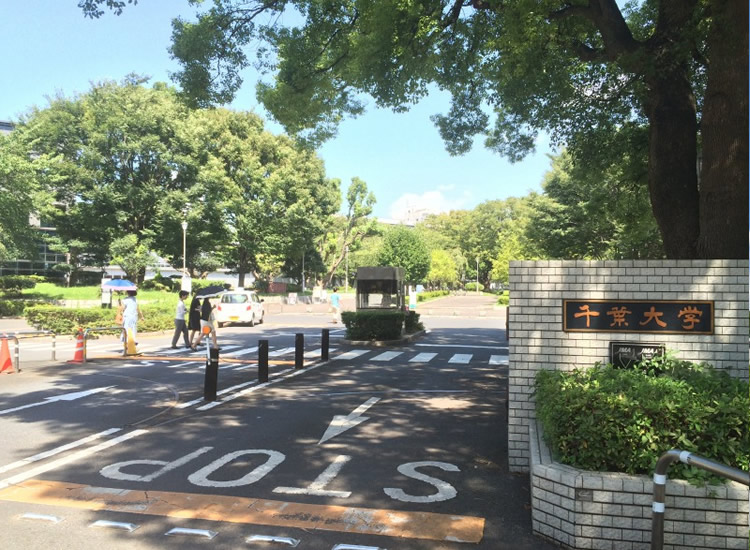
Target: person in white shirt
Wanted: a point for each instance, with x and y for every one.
(180, 327)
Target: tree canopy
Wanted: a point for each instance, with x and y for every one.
(577, 71)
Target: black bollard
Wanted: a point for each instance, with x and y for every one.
(262, 361)
(299, 351)
(212, 375)
(324, 345)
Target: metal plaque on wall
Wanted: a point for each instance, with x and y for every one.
(625, 354)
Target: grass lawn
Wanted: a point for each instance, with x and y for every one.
(50, 291)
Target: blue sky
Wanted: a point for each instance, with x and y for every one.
(48, 47)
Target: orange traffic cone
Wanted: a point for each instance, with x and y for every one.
(5, 361)
(80, 354)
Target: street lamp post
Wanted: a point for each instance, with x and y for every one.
(184, 248)
(477, 275)
(346, 274)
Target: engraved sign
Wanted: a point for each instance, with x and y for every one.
(639, 316)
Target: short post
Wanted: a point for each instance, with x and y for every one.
(263, 361)
(299, 351)
(212, 375)
(324, 339)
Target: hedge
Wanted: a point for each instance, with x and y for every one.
(504, 298)
(431, 294)
(158, 317)
(373, 325)
(622, 420)
(473, 287)
(17, 282)
(412, 323)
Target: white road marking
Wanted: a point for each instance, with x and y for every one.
(63, 397)
(445, 490)
(35, 472)
(282, 351)
(245, 351)
(56, 450)
(459, 346)
(317, 487)
(498, 359)
(422, 358)
(387, 356)
(351, 354)
(113, 471)
(341, 423)
(222, 392)
(461, 358)
(200, 477)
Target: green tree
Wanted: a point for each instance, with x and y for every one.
(346, 233)
(573, 70)
(443, 269)
(403, 247)
(132, 255)
(599, 215)
(18, 187)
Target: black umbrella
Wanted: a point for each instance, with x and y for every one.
(210, 291)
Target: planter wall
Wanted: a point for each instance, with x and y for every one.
(611, 511)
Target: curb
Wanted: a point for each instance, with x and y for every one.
(383, 343)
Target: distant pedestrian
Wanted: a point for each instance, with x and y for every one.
(130, 314)
(336, 305)
(180, 327)
(194, 321)
(208, 321)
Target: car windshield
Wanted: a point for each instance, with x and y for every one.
(234, 298)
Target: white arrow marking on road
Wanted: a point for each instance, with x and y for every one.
(340, 424)
(63, 397)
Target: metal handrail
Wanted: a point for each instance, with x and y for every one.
(123, 334)
(660, 485)
(24, 334)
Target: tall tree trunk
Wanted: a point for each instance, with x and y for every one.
(724, 132)
(672, 175)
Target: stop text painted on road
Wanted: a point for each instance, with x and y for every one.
(201, 477)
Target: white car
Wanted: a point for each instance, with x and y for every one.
(239, 306)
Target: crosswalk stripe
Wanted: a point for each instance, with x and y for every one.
(245, 351)
(282, 351)
(422, 357)
(352, 354)
(498, 359)
(387, 356)
(461, 358)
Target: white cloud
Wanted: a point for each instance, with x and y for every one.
(411, 207)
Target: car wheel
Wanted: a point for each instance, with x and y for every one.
(262, 318)
(252, 320)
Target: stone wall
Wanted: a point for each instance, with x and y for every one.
(612, 511)
(537, 340)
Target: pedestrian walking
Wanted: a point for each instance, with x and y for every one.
(208, 320)
(194, 321)
(180, 326)
(131, 313)
(336, 305)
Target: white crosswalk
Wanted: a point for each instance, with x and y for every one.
(235, 351)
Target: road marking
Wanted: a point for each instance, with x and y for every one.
(461, 358)
(422, 358)
(318, 487)
(387, 356)
(248, 510)
(222, 392)
(351, 354)
(56, 450)
(64, 397)
(498, 359)
(446, 491)
(244, 351)
(459, 346)
(69, 459)
(282, 351)
(341, 423)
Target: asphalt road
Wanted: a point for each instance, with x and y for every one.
(401, 447)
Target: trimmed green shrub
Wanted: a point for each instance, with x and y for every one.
(473, 287)
(622, 420)
(158, 317)
(373, 325)
(412, 323)
(17, 282)
(14, 308)
(431, 295)
(504, 298)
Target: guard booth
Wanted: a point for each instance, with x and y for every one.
(380, 288)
